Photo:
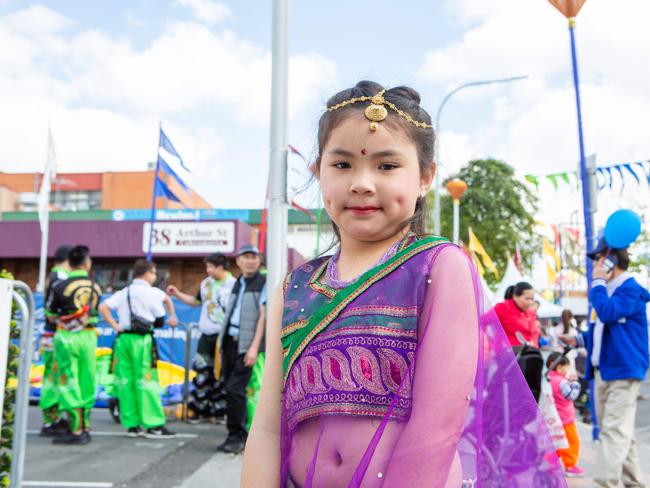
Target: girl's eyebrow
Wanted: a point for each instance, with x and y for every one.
(380, 154)
(341, 152)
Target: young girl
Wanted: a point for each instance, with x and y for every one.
(383, 369)
(565, 392)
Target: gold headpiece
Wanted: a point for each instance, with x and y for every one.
(376, 111)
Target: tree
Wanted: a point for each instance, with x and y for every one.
(499, 209)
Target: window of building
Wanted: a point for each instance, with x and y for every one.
(76, 200)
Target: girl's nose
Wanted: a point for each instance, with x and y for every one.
(362, 185)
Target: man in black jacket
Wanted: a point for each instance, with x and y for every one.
(241, 342)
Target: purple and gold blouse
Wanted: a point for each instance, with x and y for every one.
(358, 362)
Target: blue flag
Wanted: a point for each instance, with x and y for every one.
(165, 168)
(167, 145)
(162, 190)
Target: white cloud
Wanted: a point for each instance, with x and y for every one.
(532, 124)
(207, 10)
(104, 97)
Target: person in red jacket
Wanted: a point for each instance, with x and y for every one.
(517, 314)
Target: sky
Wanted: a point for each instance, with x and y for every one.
(103, 75)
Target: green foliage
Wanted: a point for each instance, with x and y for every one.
(499, 209)
(640, 252)
(9, 401)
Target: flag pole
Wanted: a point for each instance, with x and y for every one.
(584, 176)
(44, 211)
(45, 234)
(277, 215)
(152, 217)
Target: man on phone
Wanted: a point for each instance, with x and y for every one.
(617, 348)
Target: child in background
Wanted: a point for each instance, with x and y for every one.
(565, 391)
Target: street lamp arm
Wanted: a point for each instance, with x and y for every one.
(436, 145)
(470, 84)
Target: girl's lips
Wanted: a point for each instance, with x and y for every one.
(362, 210)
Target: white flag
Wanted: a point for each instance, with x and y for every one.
(46, 184)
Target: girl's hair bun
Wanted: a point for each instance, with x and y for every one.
(404, 92)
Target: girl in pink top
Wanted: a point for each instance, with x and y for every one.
(565, 391)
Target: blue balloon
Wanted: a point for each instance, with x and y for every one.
(622, 229)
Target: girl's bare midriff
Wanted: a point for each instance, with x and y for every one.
(343, 443)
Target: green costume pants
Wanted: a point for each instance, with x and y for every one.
(49, 399)
(74, 353)
(136, 382)
(253, 388)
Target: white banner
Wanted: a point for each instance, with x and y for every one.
(189, 237)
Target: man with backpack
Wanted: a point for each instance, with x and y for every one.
(140, 309)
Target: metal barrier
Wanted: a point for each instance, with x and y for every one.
(23, 297)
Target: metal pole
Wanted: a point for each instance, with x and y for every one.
(25, 302)
(186, 378)
(584, 176)
(456, 220)
(277, 216)
(436, 146)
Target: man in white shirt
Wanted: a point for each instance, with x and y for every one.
(212, 296)
(140, 308)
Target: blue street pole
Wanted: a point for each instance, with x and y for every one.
(152, 217)
(584, 177)
(586, 200)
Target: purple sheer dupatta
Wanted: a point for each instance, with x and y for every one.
(473, 421)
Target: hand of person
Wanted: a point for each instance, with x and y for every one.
(117, 327)
(569, 340)
(172, 321)
(172, 290)
(599, 270)
(250, 358)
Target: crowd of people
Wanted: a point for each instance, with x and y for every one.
(612, 351)
(232, 331)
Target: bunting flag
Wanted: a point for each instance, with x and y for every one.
(476, 247)
(548, 250)
(167, 145)
(297, 153)
(606, 176)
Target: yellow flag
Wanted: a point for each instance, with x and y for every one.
(477, 263)
(549, 251)
(551, 274)
(475, 246)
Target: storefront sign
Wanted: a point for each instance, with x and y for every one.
(183, 214)
(189, 237)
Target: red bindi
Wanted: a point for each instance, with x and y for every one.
(363, 151)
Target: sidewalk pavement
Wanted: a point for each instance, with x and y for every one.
(589, 455)
(223, 470)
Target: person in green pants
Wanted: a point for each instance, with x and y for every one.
(140, 307)
(53, 423)
(74, 308)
